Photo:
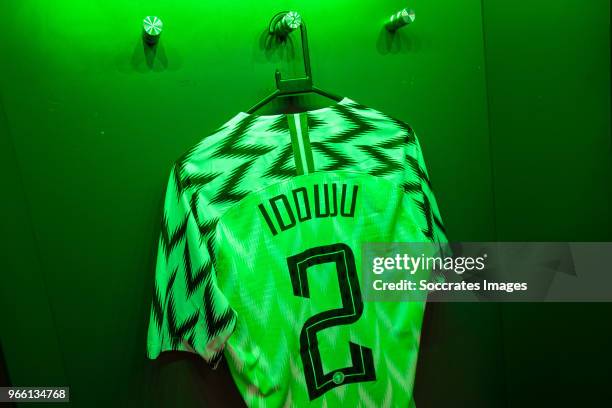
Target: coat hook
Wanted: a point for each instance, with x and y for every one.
(400, 19)
(152, 29)
(285, 22)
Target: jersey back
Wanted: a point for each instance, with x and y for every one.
(260, 256)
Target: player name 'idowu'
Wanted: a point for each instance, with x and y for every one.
(302, 204)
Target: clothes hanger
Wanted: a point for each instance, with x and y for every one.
(294, 86)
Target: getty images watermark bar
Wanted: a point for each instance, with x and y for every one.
(487, 271)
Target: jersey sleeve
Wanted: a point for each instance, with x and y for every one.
(418, 185)
(189, 312)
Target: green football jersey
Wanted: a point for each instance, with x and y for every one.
(260, 253)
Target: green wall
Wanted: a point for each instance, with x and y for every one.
(90, 121)
(548, 91)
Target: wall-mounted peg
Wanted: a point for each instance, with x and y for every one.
(152, 29)
(400, 19)
(284, 23)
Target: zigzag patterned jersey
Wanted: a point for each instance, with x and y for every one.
(259, 256)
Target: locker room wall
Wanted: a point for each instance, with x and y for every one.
(548, 87)
(93, 121)
(23, 323)
(4, 380)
